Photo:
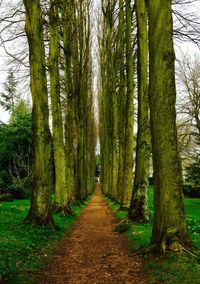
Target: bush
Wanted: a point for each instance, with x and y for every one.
(5, 177)
(5, 180)
(190, 190)
(6, 197)
(151, 182)
(19, 191)
(193, 172)
(123, 226)
(17, 188)
(16, 156)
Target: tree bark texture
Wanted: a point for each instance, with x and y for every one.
(139, 209)
(40, 210)
(169, 226)
(61, 190)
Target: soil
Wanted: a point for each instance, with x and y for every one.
(93, 253)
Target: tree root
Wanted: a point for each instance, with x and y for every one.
(148, 250)
(190, 253)
(67, 211)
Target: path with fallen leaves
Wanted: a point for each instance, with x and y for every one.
(93, 253)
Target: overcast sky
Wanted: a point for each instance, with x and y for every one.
(184, 47)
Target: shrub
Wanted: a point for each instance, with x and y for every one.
(151, 182)
(19, 191)
(190, 190)
(16, 156)
(123, 226)
(5, 180)
(6, 197)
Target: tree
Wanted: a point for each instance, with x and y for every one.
(193, 171)
(68, 18)
(124, 92)
(117, 101)
(40, 210)
(189, 105)
(169, 225)
(108, 101)
(129, 110)
(139, 202)
(188, 108)
(186, 21)
(61, 190)
(80, 134)
(121, 95)
(10, 95)
(83, 101)
(16, 157)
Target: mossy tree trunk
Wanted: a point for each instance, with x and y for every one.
(104, 138)
(61, 190)
(129, 112)
(112, 113)
(80, 125)
(139, 209)
(40, 210)
(104, 154)
(81, 115)
(169, 226)
(117, 101)
(121, 97)
(108, 101)
(90, 125)
(69, 25)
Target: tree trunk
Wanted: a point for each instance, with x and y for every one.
(68, 25)
(108, 101)
(139, 209)
(169, 226)
(40, 210)
(61, 191)
(129, 112)
(121, 98)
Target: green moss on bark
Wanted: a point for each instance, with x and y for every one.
(169, 224)
(139, 202)
(40, 210)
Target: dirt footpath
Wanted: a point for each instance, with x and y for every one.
(93, 253)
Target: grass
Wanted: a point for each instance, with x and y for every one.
(25, 249)
(171, 268)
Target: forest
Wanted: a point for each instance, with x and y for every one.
(99, 141)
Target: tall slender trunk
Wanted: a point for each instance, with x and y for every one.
(169, 226)
(68, 25)
(80, 106)
(129, 112)
(40, 210)
(139, 209)
(61, 193)
(82, 88)
(121, 98)
(109, 104)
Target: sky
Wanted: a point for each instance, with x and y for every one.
(185, 47)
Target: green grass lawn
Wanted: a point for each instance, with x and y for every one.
(25, 249)
(171, 268)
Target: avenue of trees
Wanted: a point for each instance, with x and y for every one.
(136, 60)
(136, 41)
(61, 88)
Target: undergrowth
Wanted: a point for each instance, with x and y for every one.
(171, 268)
(26, 249)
